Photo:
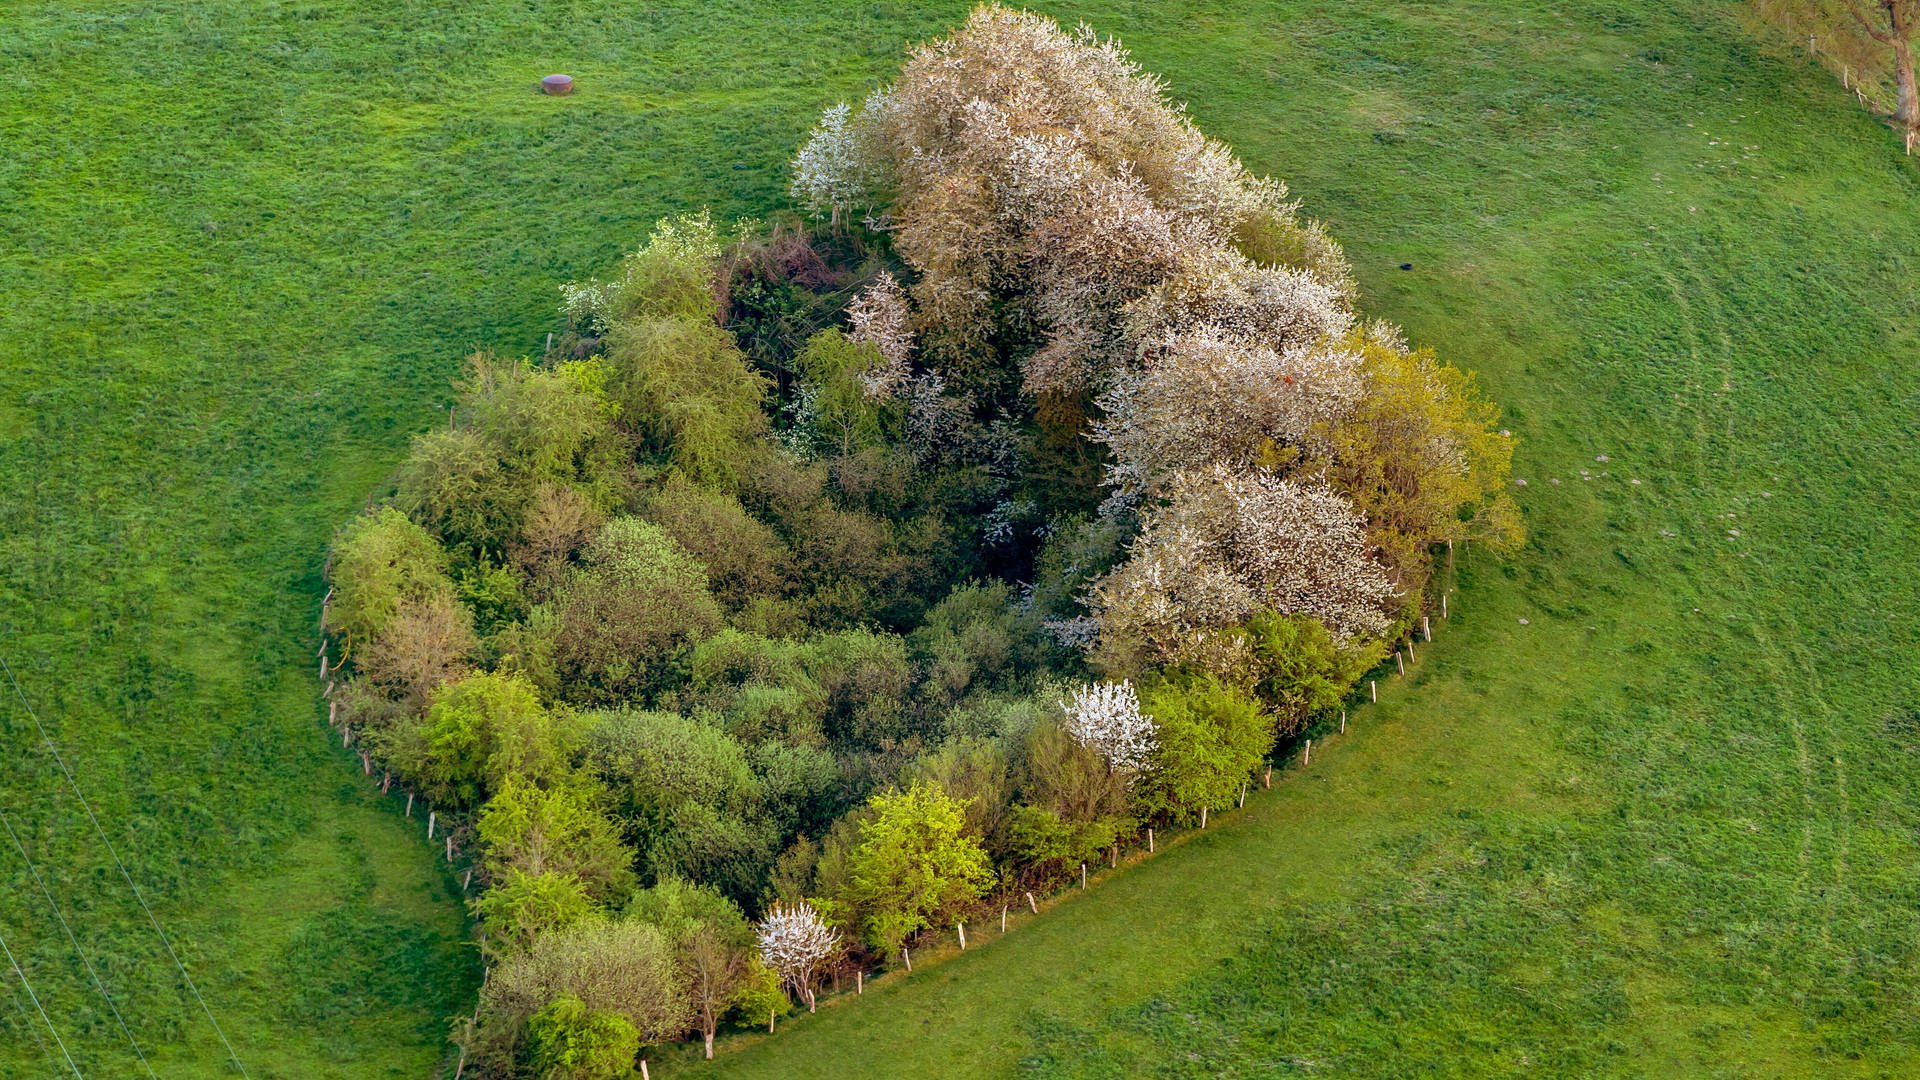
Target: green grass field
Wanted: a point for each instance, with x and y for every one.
(1664, 826)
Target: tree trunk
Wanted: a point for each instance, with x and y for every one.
(1908, 112)
(709, 1035)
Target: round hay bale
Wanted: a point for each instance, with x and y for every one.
(557, 84)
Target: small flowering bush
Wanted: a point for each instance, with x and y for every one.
(1106, 717)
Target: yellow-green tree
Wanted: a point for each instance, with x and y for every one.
(915, 865)
(1421, 455)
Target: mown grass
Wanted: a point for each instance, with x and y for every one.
(1664, 827)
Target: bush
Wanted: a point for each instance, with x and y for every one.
(693, 804)
(974, 639)
(380, 561)
(1421, 456)
(744, 558)
(481, 732)
(839, 408)
(425, 644)
(625, 619)
(1212, 736)
(1299, 670)
(454, 484)
(867, 678)
(1072, 805)
(622, 966)
(690, 395)
(560, 829)
(975, 773)
(518, 907)
(559, 521)
(915, 866)
(569, 1041)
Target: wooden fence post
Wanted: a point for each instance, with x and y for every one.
(430, 817)
(1031, 906)
(1373, 689)
(1400, 663)
(386, 782)
(467, 882)
(409, 804)
(1149, 840)
(1003, 918)
(962, 927)
(1083, 875)
(1267, 780)
(449, 847)
(1443, 605)
(1243, 794)
(908, 957)
(643, 1070)
(1343, 721)
(1114, 863)
(859, 981)
(1203, 817)
(1426, 624)
(1307, 758)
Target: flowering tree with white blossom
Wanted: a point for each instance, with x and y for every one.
(1226, 545)
(1105, 717)
(882, 319)
(796, 942)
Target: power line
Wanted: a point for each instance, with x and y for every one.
(102, 834)
(35, 998)
(14, 997)
(88, 964)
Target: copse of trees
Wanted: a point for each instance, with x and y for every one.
(829, 583)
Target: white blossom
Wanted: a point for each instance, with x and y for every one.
(1228, 544)
(1076, 632)
(936, 421)
(881, 318)
(837, 168)
(1004, 519)
(795, 941)
(1105, 717)
(1206, 398)
(1034, 163)
(1276, 306)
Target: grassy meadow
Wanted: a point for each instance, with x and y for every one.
(1646, 807)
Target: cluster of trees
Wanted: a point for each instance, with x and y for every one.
(827, 582)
